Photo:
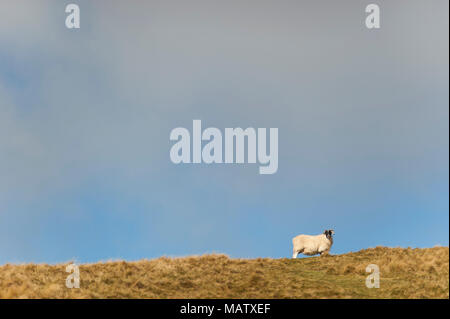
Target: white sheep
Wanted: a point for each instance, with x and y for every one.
(313, 245)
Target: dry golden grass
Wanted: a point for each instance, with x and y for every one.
(405, 273)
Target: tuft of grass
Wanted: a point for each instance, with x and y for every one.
(404, 273)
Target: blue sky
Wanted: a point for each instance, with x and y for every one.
(85, 118)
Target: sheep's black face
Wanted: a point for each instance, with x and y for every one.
(329, 233)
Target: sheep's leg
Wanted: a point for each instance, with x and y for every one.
(323, 253)
(294, 255)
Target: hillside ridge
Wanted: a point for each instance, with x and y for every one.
(404, 273)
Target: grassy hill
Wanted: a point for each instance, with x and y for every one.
(404, 273)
